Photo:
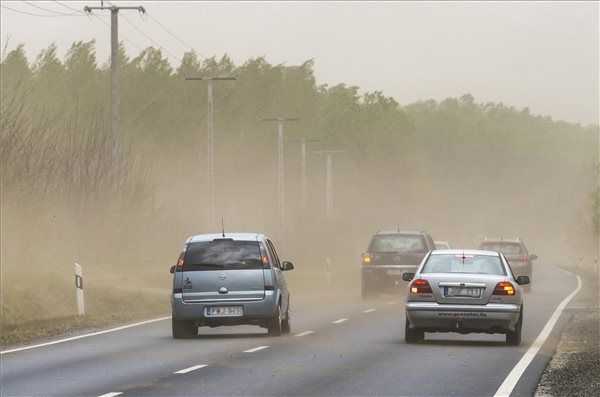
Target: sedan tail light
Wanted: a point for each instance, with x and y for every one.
(504, 288)
(420, 286)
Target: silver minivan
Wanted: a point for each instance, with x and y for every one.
(229, 279)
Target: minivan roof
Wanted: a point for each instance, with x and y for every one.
(234, 236)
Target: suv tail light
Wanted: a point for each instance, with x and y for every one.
(366, 258)
(420, 286)
(504, 288)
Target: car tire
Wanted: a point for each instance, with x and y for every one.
(183, 329)
(513, 338)
(412, 335)
(285, 325)
(276, 324)
(366, 293)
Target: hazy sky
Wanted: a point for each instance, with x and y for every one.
(540, 55)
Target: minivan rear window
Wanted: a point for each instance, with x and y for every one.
(398, 243)
(222, 254)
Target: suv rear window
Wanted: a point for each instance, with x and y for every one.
(222, 254)
(459, 263)
(504, 247)
(397, 243)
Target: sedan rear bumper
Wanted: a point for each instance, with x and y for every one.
(435, 317)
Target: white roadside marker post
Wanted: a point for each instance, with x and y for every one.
(79, 290)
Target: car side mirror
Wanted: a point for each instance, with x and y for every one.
(533, 257)
(408, 276)
(285, 266)
(523, 280)
(172, 269)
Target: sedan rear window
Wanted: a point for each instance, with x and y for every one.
(222, 254)
(505, 248)
(398, 243)
(459, 263)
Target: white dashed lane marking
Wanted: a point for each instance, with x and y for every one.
(305, 333)
(341, 320)
(369, 310)
(255, 349)
(112, 394)
(190, 369)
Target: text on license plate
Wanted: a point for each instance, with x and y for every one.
(224, 311)
(460, 291)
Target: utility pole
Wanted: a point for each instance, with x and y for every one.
(210, 166)
(303, 165)
(329, 200)
(280, 168)
(115, 98)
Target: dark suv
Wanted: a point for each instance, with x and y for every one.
(390, 254)
(515, 251)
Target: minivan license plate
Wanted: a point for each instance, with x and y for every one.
(224, 311)
(467, 292)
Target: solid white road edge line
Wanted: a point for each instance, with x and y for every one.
(106, 331)
(190, 369)
(305, 333)
(255, 349)
(341, 320)
(513, 377)
(112, 394)
(369, 310)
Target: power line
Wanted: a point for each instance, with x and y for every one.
(148, 37)
(181, 41)
(57, 13)
(133, 43)
(69, 7)
(37, 15)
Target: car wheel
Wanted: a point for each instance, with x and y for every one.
(513, 338)
(183, 329)
(412, 335)
(275, 326)
(366, 293)
(285, 325)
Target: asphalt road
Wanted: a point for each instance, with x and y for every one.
(355, 348)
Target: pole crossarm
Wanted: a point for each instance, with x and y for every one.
(89, 9)
(280, 119)
(225, 78)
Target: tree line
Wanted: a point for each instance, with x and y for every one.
(430, 162)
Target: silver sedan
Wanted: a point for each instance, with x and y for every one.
(464, 291)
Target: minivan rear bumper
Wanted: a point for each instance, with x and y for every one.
(493, 317)
(255, 312)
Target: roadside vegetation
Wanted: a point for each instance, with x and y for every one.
(122, 205)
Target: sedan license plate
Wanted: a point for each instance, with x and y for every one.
(224, 311)
(464, 292)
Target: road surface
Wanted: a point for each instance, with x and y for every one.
(338, 347)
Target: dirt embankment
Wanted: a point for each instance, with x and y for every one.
(575, 367)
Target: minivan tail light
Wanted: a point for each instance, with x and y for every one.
(504, 288)
(420, 286)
